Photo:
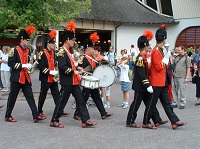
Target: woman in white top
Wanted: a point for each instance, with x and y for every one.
(5, 69)
(125, 82)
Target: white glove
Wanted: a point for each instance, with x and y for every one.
(53, 72)
(29, 66)
(150, 89)
(34, 57)
(166, 58)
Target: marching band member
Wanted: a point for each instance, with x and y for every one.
(69, 80)
(88, 61)
(141, 85)
(19, 62)
(46, 60)
(158, 80)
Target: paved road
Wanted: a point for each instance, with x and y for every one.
(108, 134)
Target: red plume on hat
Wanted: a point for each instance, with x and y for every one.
(94, 37)
(148, 34)
(163, 26)
(71, 26)
(53, 34)
(30, 29)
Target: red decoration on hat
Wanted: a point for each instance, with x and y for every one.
(30, 29)
(148, 34)
(71, 26)
(163, 26)
(53, 34)
(94, 37)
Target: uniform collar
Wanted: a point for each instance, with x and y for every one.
(144, 55)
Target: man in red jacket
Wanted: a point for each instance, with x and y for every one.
(158, 80)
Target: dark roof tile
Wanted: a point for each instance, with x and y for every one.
(125, 11)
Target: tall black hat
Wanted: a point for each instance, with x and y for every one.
(161, 33)
(51, 37)
(143, 40)
(93, 39)
(26, 33)
(69, 32)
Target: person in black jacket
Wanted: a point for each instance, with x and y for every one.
(69, 80)
(48, 75)
(141, 85)
(89, 62)
(20, 79)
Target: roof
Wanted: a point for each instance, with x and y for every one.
(124, 11)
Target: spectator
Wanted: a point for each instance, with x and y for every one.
(125, 82)
(181, 76)
(197, 74)
(122, 54)
(191, 57)
(1, 85)
(106, 91)
(112, 56)
(133, 51)
(5, 69)
(125, 53)
(131, 67)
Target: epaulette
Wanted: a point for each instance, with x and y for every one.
(140, 62)
(40, 55)
(11, 53)
(80, 60)
(61, 53)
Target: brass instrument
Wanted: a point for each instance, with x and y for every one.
(56, 78)
(33, 59)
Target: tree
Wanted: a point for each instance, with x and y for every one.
(44, 14)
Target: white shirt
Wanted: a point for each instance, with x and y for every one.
(5, 67)
(124, 73)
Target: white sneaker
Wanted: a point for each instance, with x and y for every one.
(121, 105)
(105, 105)
(125, 106)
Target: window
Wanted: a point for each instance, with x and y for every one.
(166, 7)
(152, 4)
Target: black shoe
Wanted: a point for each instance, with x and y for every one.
(106, 116)
(197, 104)
(174, 106)
(181, 107)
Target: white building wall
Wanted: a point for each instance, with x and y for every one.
(175, 30)
(128, 34)
(185, 8)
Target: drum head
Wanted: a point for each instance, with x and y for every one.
(105, 74)
(90, 78)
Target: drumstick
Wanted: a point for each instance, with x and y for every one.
(87, 72)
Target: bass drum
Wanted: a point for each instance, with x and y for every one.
(106, 75)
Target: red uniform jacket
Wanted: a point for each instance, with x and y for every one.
(158, 71)
(17, 57)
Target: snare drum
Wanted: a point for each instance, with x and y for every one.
(90, 82)
(106, 75)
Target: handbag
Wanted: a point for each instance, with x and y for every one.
(194, 79)
(172, 66)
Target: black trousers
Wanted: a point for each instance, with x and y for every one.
(86, 92)
(43, 93)
(27, 91)
(132, 113)
(162, 94)
(66, 91)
